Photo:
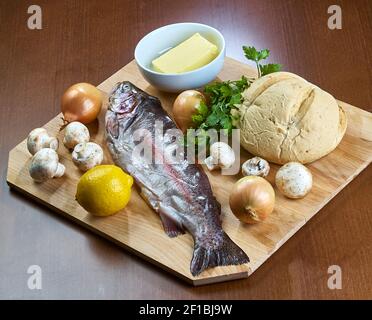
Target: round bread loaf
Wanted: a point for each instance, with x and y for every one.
(285, 118)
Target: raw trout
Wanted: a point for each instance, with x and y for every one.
(180, 193)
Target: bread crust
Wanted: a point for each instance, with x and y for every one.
(285, 118)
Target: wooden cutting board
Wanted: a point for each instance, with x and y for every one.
(138, 229)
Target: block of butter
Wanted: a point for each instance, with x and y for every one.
(189, 55)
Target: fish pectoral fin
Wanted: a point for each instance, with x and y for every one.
(171, 228)
(112, 125)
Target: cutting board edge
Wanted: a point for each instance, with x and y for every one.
(190, 280)
(81, 223)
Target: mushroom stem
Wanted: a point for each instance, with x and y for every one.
(221, 156)
(45, 165)
(53, 143)
(60, 170)
(211, 163)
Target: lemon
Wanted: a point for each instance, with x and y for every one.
(104, 190)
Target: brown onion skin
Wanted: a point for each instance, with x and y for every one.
(81, 102)
(252, 199)
(185, 106)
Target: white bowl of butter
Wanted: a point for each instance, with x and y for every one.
(181, 56)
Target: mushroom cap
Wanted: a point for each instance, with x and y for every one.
(44, 164)
(75, 133)
(38, 139)
(256, 166)
(87, 155)
(34, 139)
(38, 131)
(294, 180)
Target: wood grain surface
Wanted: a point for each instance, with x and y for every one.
(138, 229)
(88, 41)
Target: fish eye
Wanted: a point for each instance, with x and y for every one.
(124, 88)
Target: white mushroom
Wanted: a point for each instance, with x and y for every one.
(45, 165)
(221, 156)
(256, 167)
(75, 133)
(294, 180)
(87, 155)
(39, 139)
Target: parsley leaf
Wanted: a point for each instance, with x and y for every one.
(269, 68)
(251, 53)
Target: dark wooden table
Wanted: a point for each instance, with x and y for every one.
(89, 41)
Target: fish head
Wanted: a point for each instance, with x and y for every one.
(124, 98)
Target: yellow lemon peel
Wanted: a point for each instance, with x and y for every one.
(104, 190)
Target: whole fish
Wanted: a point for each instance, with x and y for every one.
(180, 192)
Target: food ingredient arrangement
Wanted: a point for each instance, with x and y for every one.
(282, 119)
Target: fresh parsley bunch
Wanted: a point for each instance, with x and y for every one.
(224, 96)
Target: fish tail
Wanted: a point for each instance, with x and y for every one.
(228, 253)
